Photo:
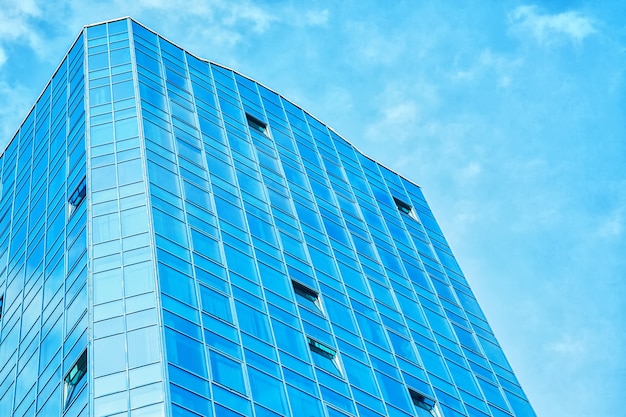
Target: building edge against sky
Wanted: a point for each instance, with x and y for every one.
(178, 239)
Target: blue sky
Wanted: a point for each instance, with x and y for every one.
(511, 115)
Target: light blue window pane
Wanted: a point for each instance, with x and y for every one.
(98, 61)
(177, 284)
(134, 221)
(190, 400)
(130, 171)
(231, 400)
(227, 372)
(185, 352)
(120, 56)
(170, 227)
(216, 303)
(268, 391)
(103, 177)
(110, 405)
(105, 228)
(126, 128)
(96, 32)
(205, 245)
(240, 263)
(394, 392)
(109, 384)
(143, 346)
(253, 321)
(359, 374)
(107, 286)
(289, 339)
(371, 330)
(109, 355)
(189, 381)
(100, 95)
(433, 363)
(303, 402)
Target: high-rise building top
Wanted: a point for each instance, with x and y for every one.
(177, 239)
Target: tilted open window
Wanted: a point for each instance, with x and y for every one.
(424, 406)
(257, 125)
(405, 208)
(77, 197)
(75, 379)
(307, 296)
(324, 357)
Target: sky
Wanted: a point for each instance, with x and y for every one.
(510, 114)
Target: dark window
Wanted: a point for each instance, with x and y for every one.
(424, 406)
(75, 379)
(404, 207)
(77, 197)
(257, 125)
(324, 357)
(1, 304)
(306, 296)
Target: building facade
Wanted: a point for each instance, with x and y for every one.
(177, 239)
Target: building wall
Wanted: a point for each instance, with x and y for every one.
(233, 256)
(249, 194)
(43, 257)
(126, 366)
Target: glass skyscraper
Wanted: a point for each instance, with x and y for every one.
(177, 239)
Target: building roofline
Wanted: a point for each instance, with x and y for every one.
(82, 32)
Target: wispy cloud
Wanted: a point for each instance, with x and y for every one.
(375, 47)
(568, 344)
(396, 123)
(550, 28)
(16, 25)
(498, 67)
(11, 115)
(612, 225)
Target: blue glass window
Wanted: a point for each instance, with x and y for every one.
(425, 407)
(268, 391)
(324, 357)
(77, 197)
(256, 125)
(227, 372)
(75, 379)
(306, 296)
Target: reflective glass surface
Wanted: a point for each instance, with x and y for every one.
(236, 256)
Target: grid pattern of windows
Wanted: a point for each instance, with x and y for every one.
(245, 260)
(260, 214)
(127, 366)
(43, 249)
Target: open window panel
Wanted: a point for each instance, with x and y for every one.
(77, 197)
(75, 379)
(424, 406)
(405, 208)
(1, 305)
(324, 357)
(307, 297)
(257, 125)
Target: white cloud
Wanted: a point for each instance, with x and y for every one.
(471, 170)
(375, 47)
(396, 122)
(499, 68)
(316, 17)
(549, 28)
(568, 345)
(611, 225)
(16, 24)
(11, 115)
